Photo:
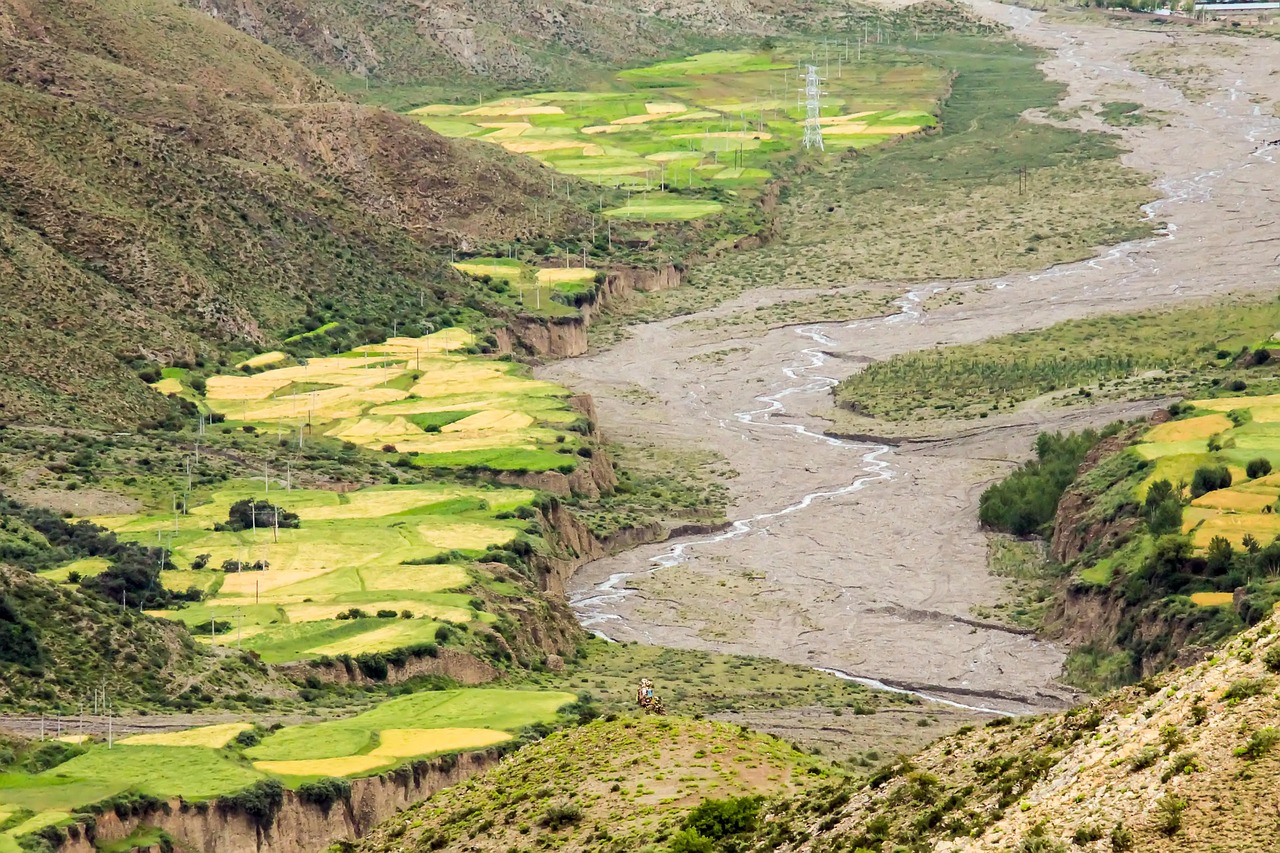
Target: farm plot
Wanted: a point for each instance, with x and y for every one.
(550, 291)
(720, 119)
(352, 577)
(1227, 432)
(416, 396)
(207, 762)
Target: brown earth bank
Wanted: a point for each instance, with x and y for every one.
(297, 825)
(868, 558)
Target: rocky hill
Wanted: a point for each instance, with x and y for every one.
(1184, 761)
(622, 784)
(170, 186)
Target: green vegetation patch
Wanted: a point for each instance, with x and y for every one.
(1119, 356)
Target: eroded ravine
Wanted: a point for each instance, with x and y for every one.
(864, 558)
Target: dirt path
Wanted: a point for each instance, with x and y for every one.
(865, 558)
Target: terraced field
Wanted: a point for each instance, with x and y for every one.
(1229, 432)
(550, 291)
(375, 568)
(351, 578)
(424, 397)
(211, 761)
(721, 119)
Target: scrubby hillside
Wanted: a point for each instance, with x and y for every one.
(57, 644)
(169, 185)
(410, 52)
(1186, 761)
(619, 785)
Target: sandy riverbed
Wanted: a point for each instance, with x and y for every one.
(868, 559)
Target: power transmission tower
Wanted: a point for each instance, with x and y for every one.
(813, 107)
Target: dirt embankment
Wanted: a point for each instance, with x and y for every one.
(561, 337)
(450, 663)
(298, 825)
(1085, 614)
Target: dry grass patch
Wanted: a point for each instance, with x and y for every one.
(406, 743)
(1211, 599)
(347, 766)
(213, 737)
(1191, 428)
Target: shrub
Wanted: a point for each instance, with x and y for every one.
(260, 802)
(1209, 479)
(1144, 758)
(717, 819)
(1259, 744)
(1182, 763)
(1169, 809)
(325, 792)
(558, 817)
(1121, 838)
(1245, 688)
(386, 614)
(1271, 660)
(689, 841)
(1259, 467)
(1025, 502)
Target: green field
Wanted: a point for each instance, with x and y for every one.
(361, 549)
(1252, 432)
(1115, 357)
(549, 291)
(381, 567)
(402, 729)
(408, 395)
(716, 121)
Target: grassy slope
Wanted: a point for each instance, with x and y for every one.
(195, 215)
(402, 54)
(1174, 746)
(1133, 356)
(633, 781)
(82, 640)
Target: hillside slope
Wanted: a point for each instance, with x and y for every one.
(456, 43)
(56, 643)
(170, 186)
(1185, 761)
(615, 785)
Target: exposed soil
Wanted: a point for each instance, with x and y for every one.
(867, 558)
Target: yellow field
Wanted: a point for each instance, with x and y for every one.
(727, 134)
(347, 766)
(552, 276)
(603, 128)
(445, 340)
(317, 611)
(462, 535)
(263, 359)
(406, 743)
(70, 739)
(263, 583)
(1230, 404)
(213, 737)
(167, 386)
(643, 118)
(494, 420)
(1191, 428)
(375, 504)
(665, 108)
(1238, 501)
(394, 636)
(1233, 526)
(495, 271)
(418, 578)
(534, 146)
(1211, 599)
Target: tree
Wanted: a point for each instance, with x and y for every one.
(249, 513)
(1219, 556)
(1259, 467)
(1209, 479)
